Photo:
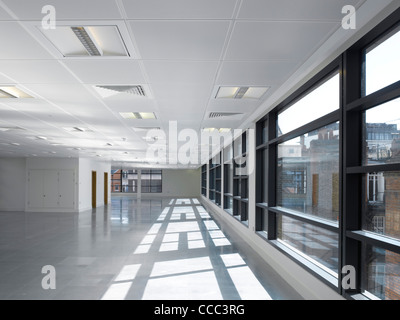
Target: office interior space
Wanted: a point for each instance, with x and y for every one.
(200, 150)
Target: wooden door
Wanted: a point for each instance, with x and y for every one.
(105, 188)
(94, 189)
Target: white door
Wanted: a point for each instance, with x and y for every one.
(35, 189)
(66, 188)
(50, 189)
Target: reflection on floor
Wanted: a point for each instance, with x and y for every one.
(134, 249)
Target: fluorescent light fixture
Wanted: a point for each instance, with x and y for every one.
(41, 138)
(78, 41)
(241, 92)
(145, 129)
(4, 129)
(255, 92)
(227, 92)
(138, 115)
(12, 92)
(220, 130)
(76, 129)
(86, 41)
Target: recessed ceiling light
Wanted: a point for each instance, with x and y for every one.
(12, 92)
(138, 115)
(145, 129)
(221, 130)
(4, 129)
(77, 129)
(241, 92)
(86, 41)
(78, 41)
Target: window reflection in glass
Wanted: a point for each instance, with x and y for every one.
(323, 100)
(382, 203)
(382, 63)
(318, 244)
(382, 278)
(308, 173)
(151, 181)
(382, 134)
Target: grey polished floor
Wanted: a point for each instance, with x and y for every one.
(132, 249)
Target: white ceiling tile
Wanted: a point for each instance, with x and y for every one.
(179, 9)
(38, 108)
(18, 44)
(232, 105)
(181, 72)
(5, 80)
(189, 39)
(72, 9)
(4, 15)
(106, 71)
(321, 10)
(166, 91)
(36, 71)
(262, 40)
(255, 73)
(126, 103)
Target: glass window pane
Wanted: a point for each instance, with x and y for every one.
(237, 146)
(382, 278)
(228, 204)
(265, 131)
(228, 153)
(151, 181)
(265, 176)
(308, 173)
(382, 63)
(323, 100)
(318, 244)
(116, 180)
(262, 214)
(382, 134)
(382, 203)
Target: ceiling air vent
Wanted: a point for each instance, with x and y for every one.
(136, 90)
(215, 115)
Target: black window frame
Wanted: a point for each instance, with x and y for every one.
(352, 239)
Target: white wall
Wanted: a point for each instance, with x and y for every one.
(86, 166)
(181, 183)
(12, 184)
